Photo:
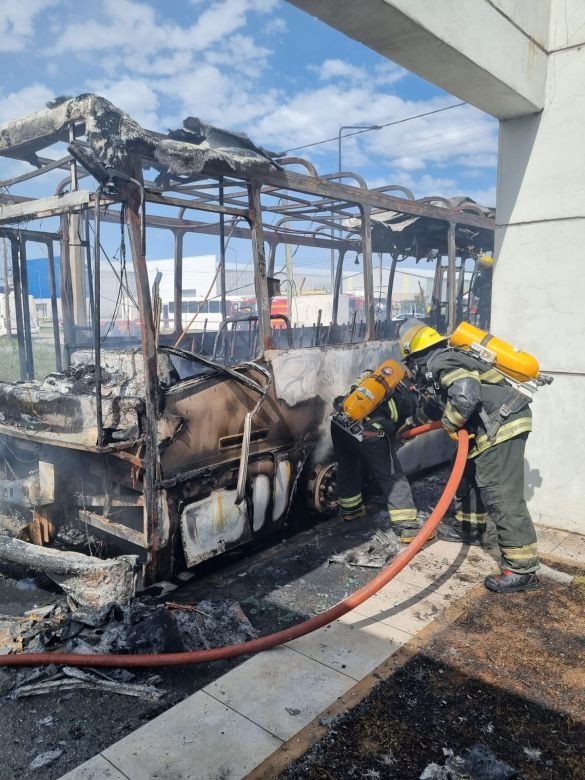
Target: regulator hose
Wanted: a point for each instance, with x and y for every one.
(287, 634)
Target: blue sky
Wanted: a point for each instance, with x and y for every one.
(258, 66)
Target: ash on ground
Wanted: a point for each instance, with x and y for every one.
(373, 554)
(135, 628)
(74, 715)
(478, 763)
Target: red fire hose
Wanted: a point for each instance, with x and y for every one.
(288, 634)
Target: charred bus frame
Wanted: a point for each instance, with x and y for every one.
(241, 195)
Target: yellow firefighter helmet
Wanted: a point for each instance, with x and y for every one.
(485, 261)
(415, 337)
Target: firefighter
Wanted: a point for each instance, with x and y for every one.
(482, 290)
(474, 396)
(376, 452)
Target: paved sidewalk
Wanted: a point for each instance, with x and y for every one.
(235, 723)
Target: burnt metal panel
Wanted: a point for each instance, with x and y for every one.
(213, 525)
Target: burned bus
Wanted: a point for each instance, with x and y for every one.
(171, 441)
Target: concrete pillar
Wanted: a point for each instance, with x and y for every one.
(523, 62)
(539, 283)
(487, 52)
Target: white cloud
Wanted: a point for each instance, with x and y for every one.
(213, 66)
(17, 22)
(434, 185)
(242, 53)
(24, 101)
(387, 73)
(345, 94)
(427, 184)
(485, 197)
(338, 69)
(208, 66)
(479, 160)
(410, 163)
(163, 65)
(275, 26)
(136, 27)
(224, 18)
(383, 74)
(313, 114)
(454, 134)
(135, 97)
(213, 63)
(222, 98)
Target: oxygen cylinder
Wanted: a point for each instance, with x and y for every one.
(513, 362)
(372, 390)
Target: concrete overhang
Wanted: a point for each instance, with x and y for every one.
(471, 49)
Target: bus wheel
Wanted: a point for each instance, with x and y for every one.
(321, 491)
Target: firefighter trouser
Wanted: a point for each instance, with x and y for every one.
(380, 460)
(493, 483)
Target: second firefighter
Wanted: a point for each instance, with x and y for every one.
(375, 455)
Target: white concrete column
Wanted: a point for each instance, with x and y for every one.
(539, 279)
(513, 59)
(487, 52)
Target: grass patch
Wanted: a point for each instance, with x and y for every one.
(43, 357)
(508, 675)
(579, 582)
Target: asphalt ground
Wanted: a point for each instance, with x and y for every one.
(276, 587)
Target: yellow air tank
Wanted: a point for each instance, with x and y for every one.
(519, 365)
(372, 390)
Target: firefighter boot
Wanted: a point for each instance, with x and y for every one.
(408, 529)
(462, 531)
(511, 582)
(353, 514)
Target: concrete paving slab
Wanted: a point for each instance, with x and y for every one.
(449, 592)
(422, 575)
(444, 550)
(449, 553)
(427, 576)
(198, 739)
(390, 632)
(435, 567)
(401, 605)
(410, 607)
(355, 648)
(97, 768)
(481, 560)
(280, 690)
(549, 538)
(572, 548)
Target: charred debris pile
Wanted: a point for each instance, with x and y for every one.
(141, 626)
(64, 402)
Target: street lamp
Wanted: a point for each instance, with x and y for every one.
(365, 128)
